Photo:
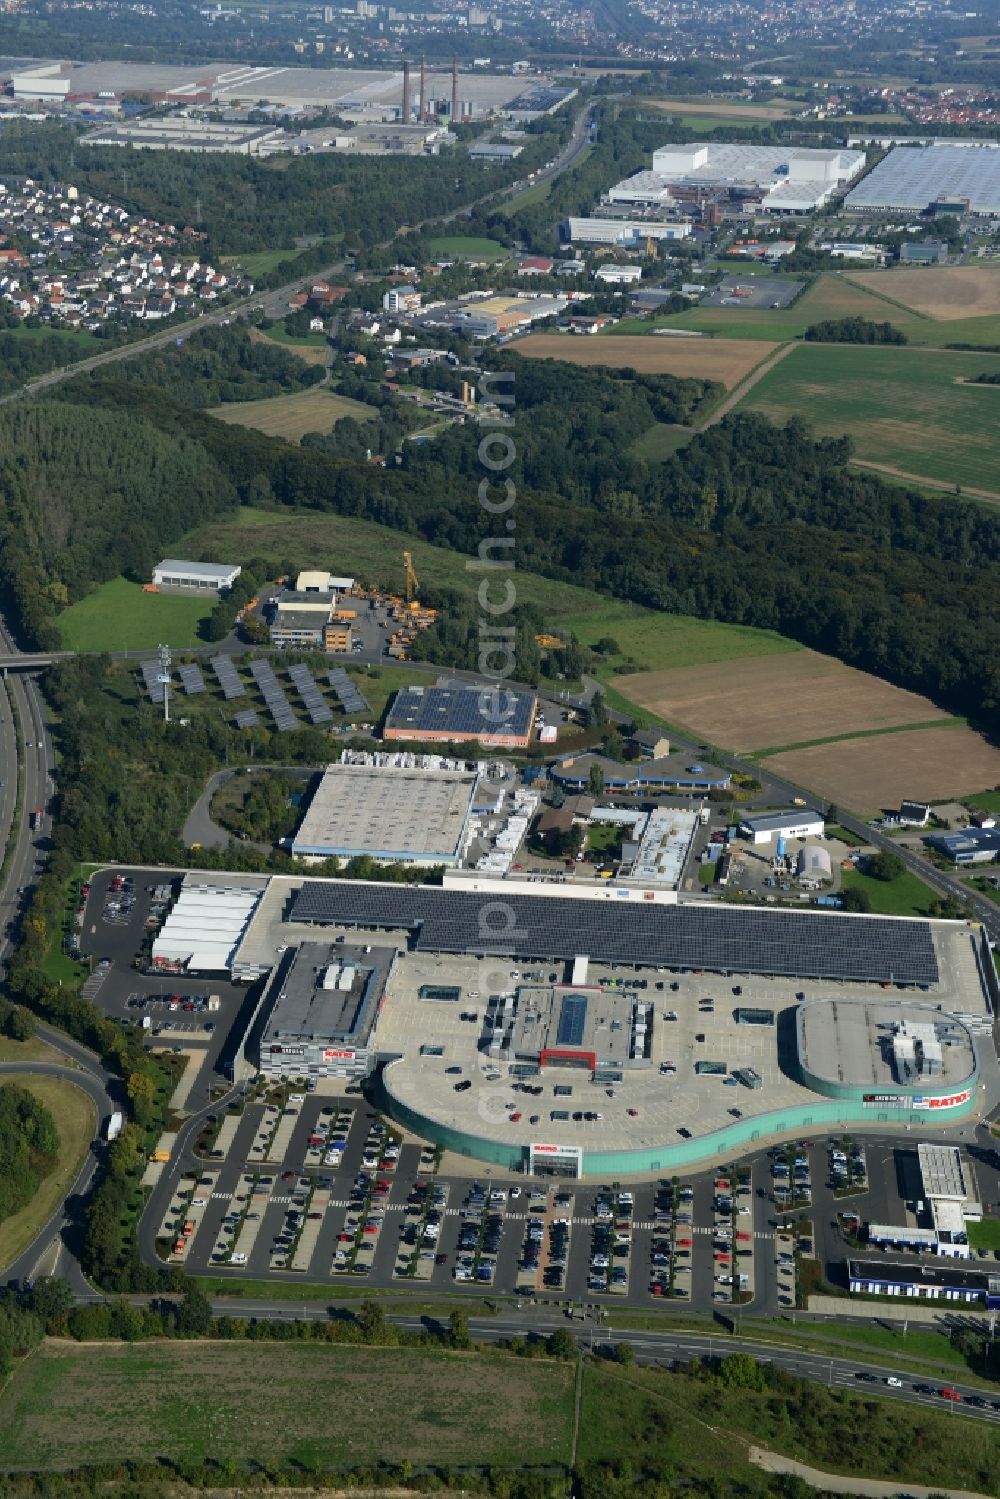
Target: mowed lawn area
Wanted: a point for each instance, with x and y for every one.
(904, 410)
(284, 1402)
(467, 247)
(76, 1121)
(120, 616)
(293, 416)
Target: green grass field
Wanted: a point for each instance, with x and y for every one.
(85, 342)
(76, 1122)
(292, 416)
(987, 801)
(901, 409)
(373, 553)
(905, 896)
(323, 1406)
(660, 441)
(467, 247)
(119, 616)
(284, 1402)
(259, 262)
(986, 1234)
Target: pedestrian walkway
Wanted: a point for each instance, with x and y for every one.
(867, 1488)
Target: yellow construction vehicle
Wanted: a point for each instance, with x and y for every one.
(412, 583)
(549, 642)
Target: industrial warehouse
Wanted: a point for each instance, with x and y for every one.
(645, 1037)
(494, 716)
(760, 179)
(944, 178)
(405, 809)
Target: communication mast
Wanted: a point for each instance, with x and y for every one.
(163, 677)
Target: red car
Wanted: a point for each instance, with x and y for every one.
(345, 1238)
(722, 1257)
(657, 1289)
(743, 1235)
(515, 1118)
(949, 1394)
(722, 1185)
(633, 1113)
(684, 1243)
(370, 1228)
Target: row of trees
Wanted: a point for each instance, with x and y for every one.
(853, 330)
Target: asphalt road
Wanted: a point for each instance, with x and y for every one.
(275, 300)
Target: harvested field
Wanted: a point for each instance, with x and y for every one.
(772, 701)
(871, 773)
(727, 360)
(942, 291)
(293, 416)
(726, 109)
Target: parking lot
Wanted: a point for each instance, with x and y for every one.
(315, 1184)
(121, 912)
(753, 292)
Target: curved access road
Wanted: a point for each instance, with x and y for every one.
(95, 1085)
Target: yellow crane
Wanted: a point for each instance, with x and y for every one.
(412, 582)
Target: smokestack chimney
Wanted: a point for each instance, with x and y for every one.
(423, 92)
(454, 88)
(406, 93)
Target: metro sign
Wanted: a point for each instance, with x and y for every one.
(951, 1102)
(338, 1056)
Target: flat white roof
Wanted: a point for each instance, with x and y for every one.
(215, 570)
(206, 923)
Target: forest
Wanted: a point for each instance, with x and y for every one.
(27, 354)
(246, 203)
(748, 523)
(219, 364)
(28, 1145)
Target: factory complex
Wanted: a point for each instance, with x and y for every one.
(405, 111)
(726, 178)
(541, 1030)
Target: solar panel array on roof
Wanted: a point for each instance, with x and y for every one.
(868, 949)
(229, 680)
(312, 698)
(150, 672)
(247, 719)
(351, 699)
(191, 679)
(461, 712)
(278, 704)
(572, 1020)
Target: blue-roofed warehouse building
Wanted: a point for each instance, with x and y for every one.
(667, 773)
(969, 846)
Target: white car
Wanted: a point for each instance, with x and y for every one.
(239, 1259)
(894, 1383)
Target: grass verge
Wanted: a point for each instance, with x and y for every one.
(76, 1121)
